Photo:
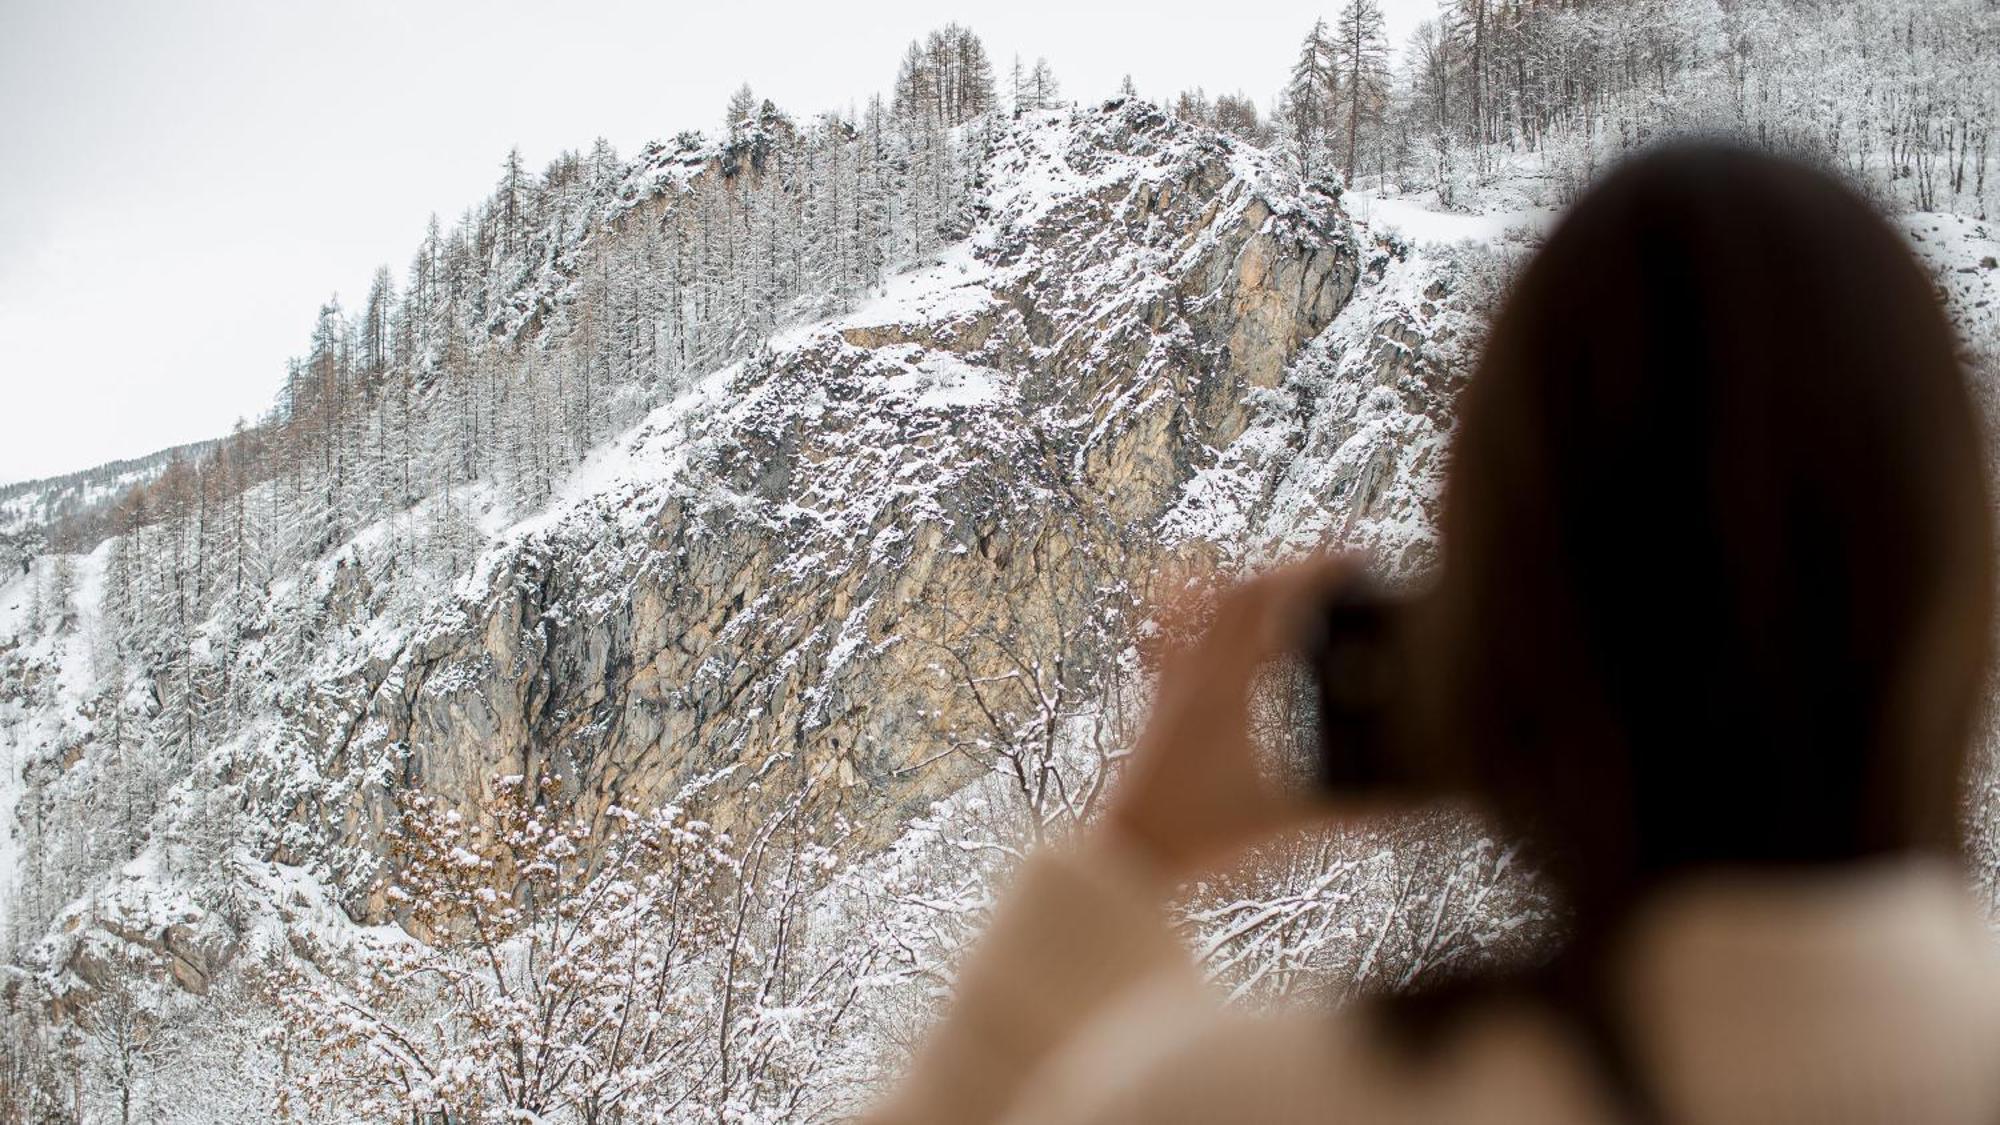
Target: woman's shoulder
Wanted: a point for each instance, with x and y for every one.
(1875, 985)
(1168, 1055)
(1795, 999)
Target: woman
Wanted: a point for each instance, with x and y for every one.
(1710, 633)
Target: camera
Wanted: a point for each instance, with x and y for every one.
(1357, 654)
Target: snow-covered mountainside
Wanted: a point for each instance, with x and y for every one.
(884, 555)
(836, 625)
(762, 576)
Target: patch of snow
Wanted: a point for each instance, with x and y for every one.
(1422, 224)
(955, 288)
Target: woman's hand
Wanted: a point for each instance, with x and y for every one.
(1193, 796)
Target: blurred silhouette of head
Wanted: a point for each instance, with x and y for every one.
(1716, 579)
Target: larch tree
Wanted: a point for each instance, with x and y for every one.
(946, 78)
(1043, 90)
(1236, 115)
(1310, 96)
(1192, 105)
(1361, 51)
(740, 114)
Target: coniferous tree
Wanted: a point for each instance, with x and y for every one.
(1310, 97)
(947, 78)
(1236, 115)
(1043, 91)
(1192, 105)
(1472, 15)
(512, 192)
(916, 93)
(1361, 53)
(740, 115)
(972, 88)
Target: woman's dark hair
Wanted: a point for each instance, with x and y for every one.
(1716, 575)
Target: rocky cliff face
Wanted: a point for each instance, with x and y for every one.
(763, 578)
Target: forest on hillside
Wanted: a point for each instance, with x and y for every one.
(482, 382)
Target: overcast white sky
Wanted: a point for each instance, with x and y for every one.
(185, 182)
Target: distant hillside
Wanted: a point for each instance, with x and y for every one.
(78, 499)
